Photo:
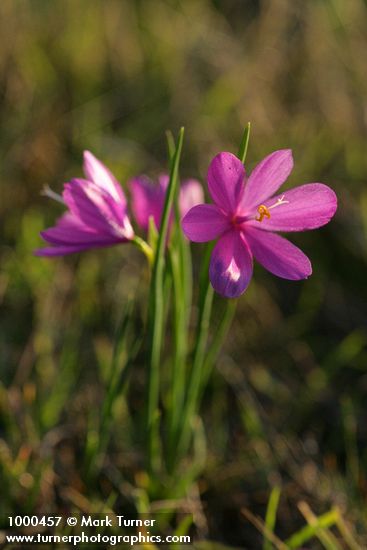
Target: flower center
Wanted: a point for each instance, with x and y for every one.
(264, 212)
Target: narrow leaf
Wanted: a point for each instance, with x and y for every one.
(242, 152)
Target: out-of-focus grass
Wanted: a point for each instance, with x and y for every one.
(286, 404)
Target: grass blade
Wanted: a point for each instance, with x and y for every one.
(194, 383)
(180, 264)
(242, 152)
(271, 514)
(260, 525)
(218, 340)
(156, 313)
(315, 527)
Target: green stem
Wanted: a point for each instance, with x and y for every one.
(156, 315)
(144, 248)
(122, 360)
(242, 151)
(180, 264)
(194, 384)
(181, 271)
(178, 372)
(218, 340)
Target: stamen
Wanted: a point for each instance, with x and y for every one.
(264, 210)
(47, 192)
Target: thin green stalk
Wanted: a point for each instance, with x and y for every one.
(120, 343)
(144, 247)
(313, 529)
(171, 146)
(271, 515)
(118, 376)
(156, 314)
(180, 344)
(242, 151)
(218, 340)
(180, 264)
(193, 389)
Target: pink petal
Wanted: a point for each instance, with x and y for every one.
(191, 194)
(97, 209)
(147, 200)
(163, 181)
(226, 178)
(204, 222)
(52, 251)
(231, 265)
(278, 255)
(307, 207)
(69, 230)
(99, 174)
(267, 177)
(68, 220)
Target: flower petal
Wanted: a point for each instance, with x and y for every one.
(204, 222)
(163, 181)
(278, 255)
(69, 230)
(267, 177)
(147, 200)
(99, 174)
(97, 209)
(191, 194)
(231, 265)
(63, 250)
(305, 207)
(226, 178)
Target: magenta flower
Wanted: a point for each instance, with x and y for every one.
(246, 213)
(97, 215)
(148, 198)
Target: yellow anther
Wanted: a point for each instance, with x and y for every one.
(263, 213)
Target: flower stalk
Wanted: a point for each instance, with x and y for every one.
(144, 248)
(156, 316)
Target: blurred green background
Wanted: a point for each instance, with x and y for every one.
(287, 402)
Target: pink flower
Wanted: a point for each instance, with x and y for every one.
(148, 198)
(97, 214)
(246, 214)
